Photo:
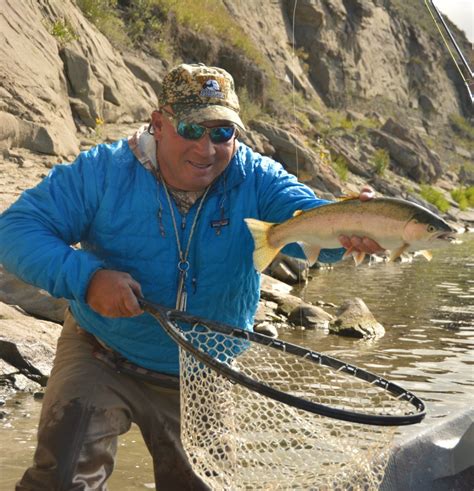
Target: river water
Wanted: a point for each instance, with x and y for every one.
(427, 309)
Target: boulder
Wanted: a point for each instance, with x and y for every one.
(310, 317)
(31, 299)
(267, 329)
(272, 285)
(355, 156)
(27, 343)
(146, 68)
(265, 311)
(287, 303)
(408, 152)
(289, 269)
(258, 142)
(353, 318)
(299, 159)
(40, 72)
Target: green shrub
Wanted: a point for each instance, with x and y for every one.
(464, 197)
(462, 126)
(210, 16)
(340, 166)
(434, 197)
(381, 161)
(339, 121)
(63, 31)
(105, 16)
(248, 108)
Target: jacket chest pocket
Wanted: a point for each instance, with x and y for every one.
(214, 245)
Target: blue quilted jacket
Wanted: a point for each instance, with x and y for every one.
(108, 201)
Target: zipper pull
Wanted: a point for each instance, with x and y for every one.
(181, 295)
(183, 222)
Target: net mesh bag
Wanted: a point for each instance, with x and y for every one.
(236, 438)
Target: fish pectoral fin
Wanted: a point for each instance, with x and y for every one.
(397, 253)
(310, 251)
(427, 255)
(358, 257)
(263, 253)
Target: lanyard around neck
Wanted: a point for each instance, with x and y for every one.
(183, 263)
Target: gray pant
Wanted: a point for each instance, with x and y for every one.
(87, 405)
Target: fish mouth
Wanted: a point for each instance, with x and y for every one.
(450, 237)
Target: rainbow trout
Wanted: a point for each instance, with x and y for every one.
(397, 225)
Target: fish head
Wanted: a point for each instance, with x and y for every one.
(425, 230)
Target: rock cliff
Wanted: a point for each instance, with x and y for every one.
(325, 84)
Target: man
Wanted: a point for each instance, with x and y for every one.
(160, 215)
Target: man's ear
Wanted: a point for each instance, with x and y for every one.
(156, 124)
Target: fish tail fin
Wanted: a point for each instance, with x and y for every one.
(263, 253)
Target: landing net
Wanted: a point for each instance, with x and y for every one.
(258, 413)
(236, 438)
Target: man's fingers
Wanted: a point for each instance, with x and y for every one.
(366, 193)
(136, 288)
(131, 305)
(114, 294)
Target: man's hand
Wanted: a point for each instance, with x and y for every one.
(113, 294)
(357, 244)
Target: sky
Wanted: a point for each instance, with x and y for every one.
(461, 12)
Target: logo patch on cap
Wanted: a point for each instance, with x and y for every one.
(211, 88)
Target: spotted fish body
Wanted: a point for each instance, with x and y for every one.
(397, 225)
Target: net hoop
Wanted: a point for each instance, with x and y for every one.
(167, 318)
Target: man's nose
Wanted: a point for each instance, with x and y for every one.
(205, 146)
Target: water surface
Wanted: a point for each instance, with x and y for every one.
(427, 309)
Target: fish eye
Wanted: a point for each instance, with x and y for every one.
(431, 228)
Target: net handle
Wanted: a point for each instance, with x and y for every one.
(165, 317)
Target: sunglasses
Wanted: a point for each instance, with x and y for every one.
(194, 131)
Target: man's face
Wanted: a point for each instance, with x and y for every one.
(189, 165)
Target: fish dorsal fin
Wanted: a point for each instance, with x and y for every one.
(310, 251)
(298, 212)
(348, 197)
(427, 255)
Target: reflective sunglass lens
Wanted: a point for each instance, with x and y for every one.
(221, 134)
(194, 131)
(191, 131)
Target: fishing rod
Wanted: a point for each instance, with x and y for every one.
(465, 63)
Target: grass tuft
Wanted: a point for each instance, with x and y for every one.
(434, 197)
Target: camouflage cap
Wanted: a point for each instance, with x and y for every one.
(200, 93)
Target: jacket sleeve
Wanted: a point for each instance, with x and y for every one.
(37, 232)
(280, 195)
